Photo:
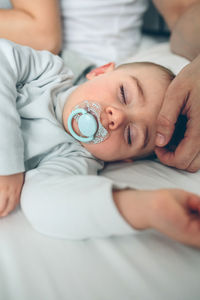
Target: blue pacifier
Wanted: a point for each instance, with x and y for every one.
(86, 124)
(87, 115)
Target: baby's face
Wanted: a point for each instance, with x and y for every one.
(131, 99)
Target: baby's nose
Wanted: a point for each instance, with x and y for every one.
(115, 117)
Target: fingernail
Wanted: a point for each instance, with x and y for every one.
(160, 139)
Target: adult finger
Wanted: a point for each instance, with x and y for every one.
(175, 98)
(181, 158)
(165, 156)
(195, 164)
(186, 151)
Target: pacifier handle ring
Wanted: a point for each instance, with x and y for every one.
(71, 130)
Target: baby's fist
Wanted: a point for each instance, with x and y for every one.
(177, 214)
(10, 191)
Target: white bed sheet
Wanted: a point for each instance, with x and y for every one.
(145, 266)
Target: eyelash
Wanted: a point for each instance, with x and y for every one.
(124, 101)
(129, 137)
(123, 93)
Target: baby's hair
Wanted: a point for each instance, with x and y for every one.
(166, 71)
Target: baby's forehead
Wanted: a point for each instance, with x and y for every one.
(138, 70)
(138, 67)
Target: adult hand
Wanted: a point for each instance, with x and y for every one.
(182, 97)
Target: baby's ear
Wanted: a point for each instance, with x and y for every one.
(101, 70)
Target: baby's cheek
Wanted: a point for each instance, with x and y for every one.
(104, 151)
(96, 150)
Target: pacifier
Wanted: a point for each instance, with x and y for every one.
(87, 115)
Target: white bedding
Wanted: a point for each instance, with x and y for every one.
(143, 266)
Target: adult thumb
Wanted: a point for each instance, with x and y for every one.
(173, 103)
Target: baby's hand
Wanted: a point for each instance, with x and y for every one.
(10, 191)
(176, 213)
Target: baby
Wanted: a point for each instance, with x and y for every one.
(130, 97)
(41, 135)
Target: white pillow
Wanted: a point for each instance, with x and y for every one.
(160, 54)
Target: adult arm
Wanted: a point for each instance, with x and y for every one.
(182, 17)
(33, 23)
(183, 94)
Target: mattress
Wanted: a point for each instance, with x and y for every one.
(143, 266)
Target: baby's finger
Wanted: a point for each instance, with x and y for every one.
(11, 204)
(194, 202)
(192, 235)
(3, 204)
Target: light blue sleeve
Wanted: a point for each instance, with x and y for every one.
(20, 65)
(64, 198)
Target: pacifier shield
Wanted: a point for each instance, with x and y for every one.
(87, 124)
(87, 115)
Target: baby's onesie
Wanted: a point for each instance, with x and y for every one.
(63, 196)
